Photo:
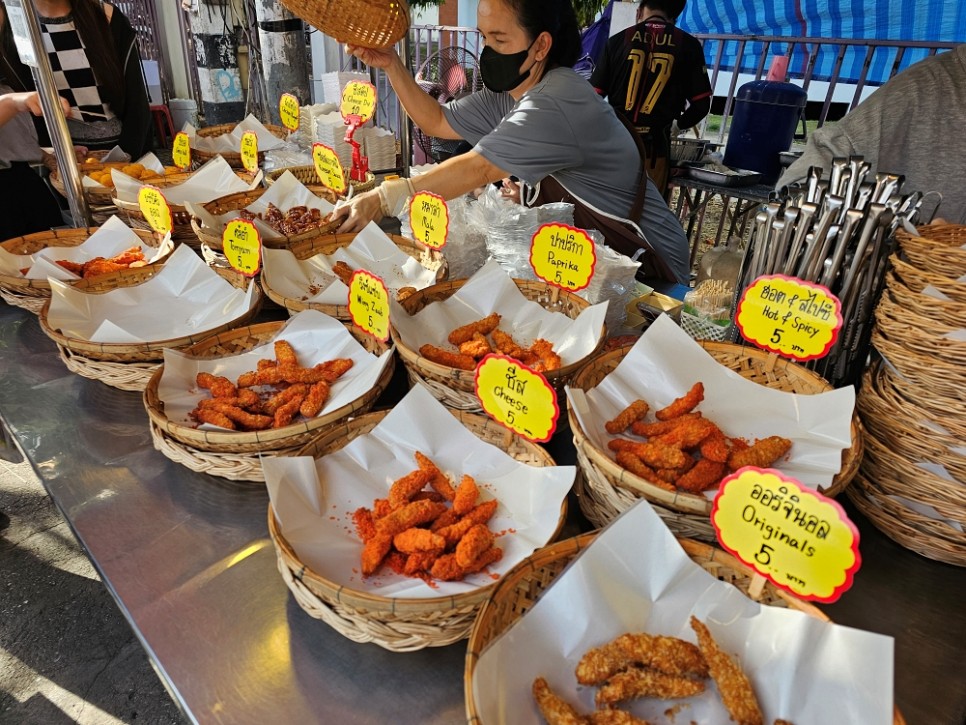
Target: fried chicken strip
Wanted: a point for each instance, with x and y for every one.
(364, 523)
(477, 540)
(212, 417)
(466, 495)
(447, 357)
(408, 516)
(476, 347)
(762, 454)
(554, 709)
(484, 327)
(669, 655)
(622, 421)
(480, 514)
(704, 475)
(639, 682)
(733, 683)
(415, 540)
(220, 387)
(548, 359)
(649, 430)
(687, 434)
(653, 454)
(439, 482)
(406, 487)
(447, 568)
(630, 462)
(374, 551)
(285, 353)
(614, 717)
(315, 399)
(248, 421)
(685, 404)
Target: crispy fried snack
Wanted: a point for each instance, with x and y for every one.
(653, 454)
(246, 399)
(219, 386)
(447, 568)
(285, 353)
(705, 474)
(477, 540)
(315, 399)
(405, 292)
(414, 541)
(685, 404)
(639, 682)
(447, 519)
(408, 516)
(212, 417)
(633, 412)
(555, 710)
(419, 563)
(687, 434)
(332, 370)
(248, 421)
(505, 344)
(281, 398)
(669, 655)
(733, 683)
(287, 410)
(631, 462)
(374, 551)
(72, 267)
(715, 447)
(648, 430)
(447, 357)
(484, 327)
(466, 495)
(614, 717)
(439, 482)
(364, 523)
(762, 454)
(406, 487)
(476, 347)
(480, 514)
(343, 271)
(381, 508)
(548, 359)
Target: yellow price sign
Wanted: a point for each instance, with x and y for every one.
(249, 151)
(429, 218)
(790, 317)
(328, 167)
(797, 538)
(288, 111)
(358, 99)
(563, 256)
(369, 304)
(517, 397)
(181, 151)
(155, 208)
(242, 246)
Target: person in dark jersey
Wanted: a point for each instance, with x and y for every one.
(654, 74)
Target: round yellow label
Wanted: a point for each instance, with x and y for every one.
(358, 99)
(288, 111)
(369, 304)
(155, 208)
(249, 151)
(328, 167)
(564, 256)
(517, 397)
(429, 218)
(242, 246)
(181, 151)
(790, 317)
(797, 538)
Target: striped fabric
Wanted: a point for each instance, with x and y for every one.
(920, 20)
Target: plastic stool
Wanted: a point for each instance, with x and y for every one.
(163, 124)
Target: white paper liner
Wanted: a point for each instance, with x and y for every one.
(314, 336)
(312, 280)
(215, 178)
(230, 142)
(148, 161)
(314, 502)
(492, 290)
(664, 364)
(636, 578)
(185, 297)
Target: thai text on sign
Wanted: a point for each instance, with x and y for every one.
(181, 151)
(517, 397)
(288, 111)
(358, 99)
(155, 208)
(242, 246)
(429, 218)
(563, 256)
(328, 167)
(369, 304)
(249, 151)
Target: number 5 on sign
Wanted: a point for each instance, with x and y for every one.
(369, 304)
(288, 111)
(249, 151)
(429, 217)
(328, 167)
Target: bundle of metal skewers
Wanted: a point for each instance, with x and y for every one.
(837, 232)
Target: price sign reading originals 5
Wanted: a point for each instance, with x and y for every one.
(288, 111)
(429, 217)
(328, 167)
(563, 256)
(369, 304)
(181, 151)
(790, 317)
(242, 246)
(155, 208)
(249, 151)
(358, 99)
(797, 538)
(517, 397)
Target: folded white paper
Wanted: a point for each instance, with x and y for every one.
(230, 142)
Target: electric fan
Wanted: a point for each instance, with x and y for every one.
(450, 73)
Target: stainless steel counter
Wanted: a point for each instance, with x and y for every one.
(188, 559)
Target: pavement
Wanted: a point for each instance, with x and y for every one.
(67, 655)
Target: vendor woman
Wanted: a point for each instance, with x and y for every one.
(540, 121)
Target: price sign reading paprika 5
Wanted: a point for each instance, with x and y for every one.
(797, 538)
(429, 217)
(517, 397)
(328, 167)
(242, 246)
(155, 208)
(181, 151)
(288, 111)
(563, 256)
(790, 317)
(358, 99)
(249, 151)
(369, 304)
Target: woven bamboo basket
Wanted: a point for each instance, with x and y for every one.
(917, 280)
(431, 259)
(607, 489)
(31, 294)
(235, 342)
(309, 178)
(368, 23)
(937, 249)
(932, 376)
(454, 387)
(200, 156)
(919, 334)
(397, 624)
(942, 311)
(918, 402)
(241, 200)
(516, 593)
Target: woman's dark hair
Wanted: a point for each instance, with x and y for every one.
(556, 17)
(671, 9)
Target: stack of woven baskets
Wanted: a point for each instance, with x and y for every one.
(911, 483)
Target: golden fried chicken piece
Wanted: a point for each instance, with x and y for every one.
(447, 568)
(649, 430)
(715, 447)
(477, 540)
(448, 358)
(220, 387)
(704, 475)
(408, 516)
(374, 551)
(315, 399)
(247, 421)
(622, 421)
(476, 347)
(212, 417)
(406, 487)
(415, 540)
(630, 462)
(762, 454)
(439, 482)
(290, 393)
(364, 523)
(466, 495)
(640, 682)
(614, 717)
(687, 434)
(685, 404)
(669, 655)
(653, 454)
(343, 271)
(285, 353)
(287, 411)
(480, 514)
(505, 344)
(484, 327)
(733, 683)
(554, 709)
(548, 359)
(405, 292)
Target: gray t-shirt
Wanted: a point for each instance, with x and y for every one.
(18, 138)
(562, 128)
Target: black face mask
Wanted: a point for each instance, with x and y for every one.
(501, 71)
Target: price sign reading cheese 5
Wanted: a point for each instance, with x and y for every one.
(328, 167)
(242, 246)
(517, 397)
(249, 151)
(155, 208)
(429, 217)
(181, 151)
(563, 256)
(288, 111)
(369, 304)
(797, 538)
(790, 317)
(358, 99)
